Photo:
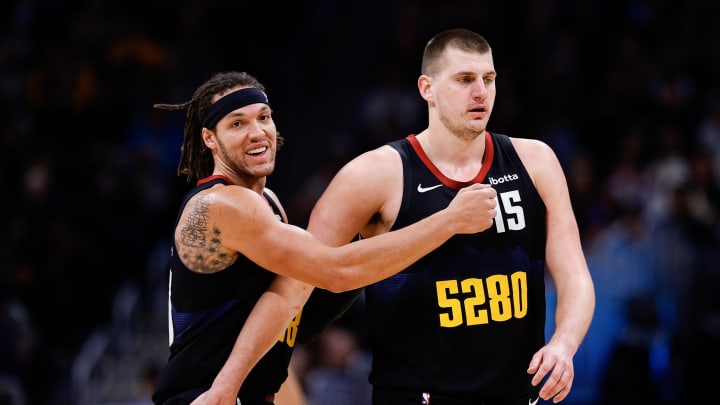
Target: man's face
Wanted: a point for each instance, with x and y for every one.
(464, 92)
(246, 141)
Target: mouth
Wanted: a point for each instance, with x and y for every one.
(257, 151)
(478, 113)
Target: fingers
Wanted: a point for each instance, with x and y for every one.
(559, 373)
(475, 208)
(491, 202)
(536, 369)
(480, 186)
(488, 194)
(557, 386)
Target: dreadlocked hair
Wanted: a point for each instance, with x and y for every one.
(196, 161)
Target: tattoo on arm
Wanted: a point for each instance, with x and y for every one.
(193, 232)
(202, 249)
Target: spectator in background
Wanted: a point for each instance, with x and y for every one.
(340, 377)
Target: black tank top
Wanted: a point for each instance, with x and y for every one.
(465, 319)
(207, 313)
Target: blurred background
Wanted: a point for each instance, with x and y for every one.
(626, 92)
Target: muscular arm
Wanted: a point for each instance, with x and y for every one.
(296, 254)
(567, 266)
(244, 224)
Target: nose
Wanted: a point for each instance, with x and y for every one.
(255, 130)
(479, 90)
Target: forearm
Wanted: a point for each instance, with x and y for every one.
(573, 282)
(394, 251)
(266, 323)
(574, 313)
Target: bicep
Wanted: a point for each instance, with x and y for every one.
(289, 251)
(564, 250)
(247, 225)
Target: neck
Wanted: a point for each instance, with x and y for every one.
(446, 146)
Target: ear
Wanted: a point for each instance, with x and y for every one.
(208, 137)
(424, 85)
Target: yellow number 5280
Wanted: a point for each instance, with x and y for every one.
(506, 298)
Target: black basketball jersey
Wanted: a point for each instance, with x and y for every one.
(465, 319)
(207, 313)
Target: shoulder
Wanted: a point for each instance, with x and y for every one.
(382, 162)
(535, 155)
(271, 194)
(226, 201)
(225, 194)
(385, 154)
(368, 185)
(544, 169)
(531, 148)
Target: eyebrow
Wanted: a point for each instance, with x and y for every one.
(237, 113)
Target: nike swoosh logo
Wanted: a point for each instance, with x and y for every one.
(422, 189)
(531, 402)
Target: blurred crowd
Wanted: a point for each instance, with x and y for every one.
(627, 92)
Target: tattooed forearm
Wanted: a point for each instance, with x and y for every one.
(193, 232)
